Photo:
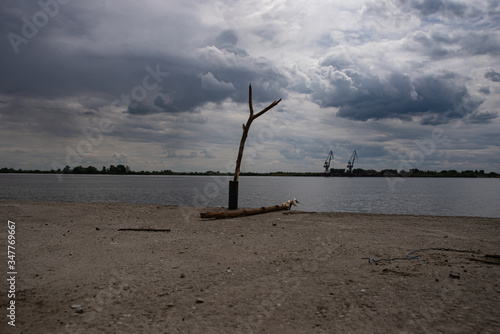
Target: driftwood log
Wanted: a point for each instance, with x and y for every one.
(248, 212)
(145, 229)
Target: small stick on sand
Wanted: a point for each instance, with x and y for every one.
(145, 229)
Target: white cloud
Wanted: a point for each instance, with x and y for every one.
(210, 83)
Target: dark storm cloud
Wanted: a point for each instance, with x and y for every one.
(51, 64)
(21, 114)
(190, 85)
(51, 67)
(59, 74)
(492, 75)
(438, 45)
(485, 90)
(449, 8)
(436, 99)
(480, 43)
(227, 41)
(480, 117)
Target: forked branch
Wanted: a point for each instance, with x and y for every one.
(246, 128)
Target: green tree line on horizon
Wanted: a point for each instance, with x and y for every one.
(125, 170)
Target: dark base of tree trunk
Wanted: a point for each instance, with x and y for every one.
(233, 195)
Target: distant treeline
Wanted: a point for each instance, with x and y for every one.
(389, 172)
(125, 170)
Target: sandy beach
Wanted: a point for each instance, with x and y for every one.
(281, 272)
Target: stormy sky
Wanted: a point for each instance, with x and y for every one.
(161, 85)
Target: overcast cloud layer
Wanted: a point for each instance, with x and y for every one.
(164, 84)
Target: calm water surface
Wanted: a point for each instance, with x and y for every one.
(423, 196)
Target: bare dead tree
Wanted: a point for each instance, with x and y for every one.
(233, 185)
(246, 128)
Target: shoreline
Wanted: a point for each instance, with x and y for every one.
(205, 209)
(280, 272)
(472, 175)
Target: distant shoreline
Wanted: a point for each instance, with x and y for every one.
(335, 173)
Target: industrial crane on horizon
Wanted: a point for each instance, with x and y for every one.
(350, 164)
(327, 162)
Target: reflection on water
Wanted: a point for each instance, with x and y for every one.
(423, 196)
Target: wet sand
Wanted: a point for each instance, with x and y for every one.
(281, 272)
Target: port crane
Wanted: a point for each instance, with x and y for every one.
(327, 162)
(350, 164)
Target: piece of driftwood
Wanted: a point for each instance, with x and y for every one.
(490, 259)
(145, 229)
(248, 212)
(492, 256)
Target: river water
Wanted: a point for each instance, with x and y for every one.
(420, 196)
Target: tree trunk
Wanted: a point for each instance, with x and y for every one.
(233, 186)
(246, 128)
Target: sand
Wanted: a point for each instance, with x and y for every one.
(282, 272)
